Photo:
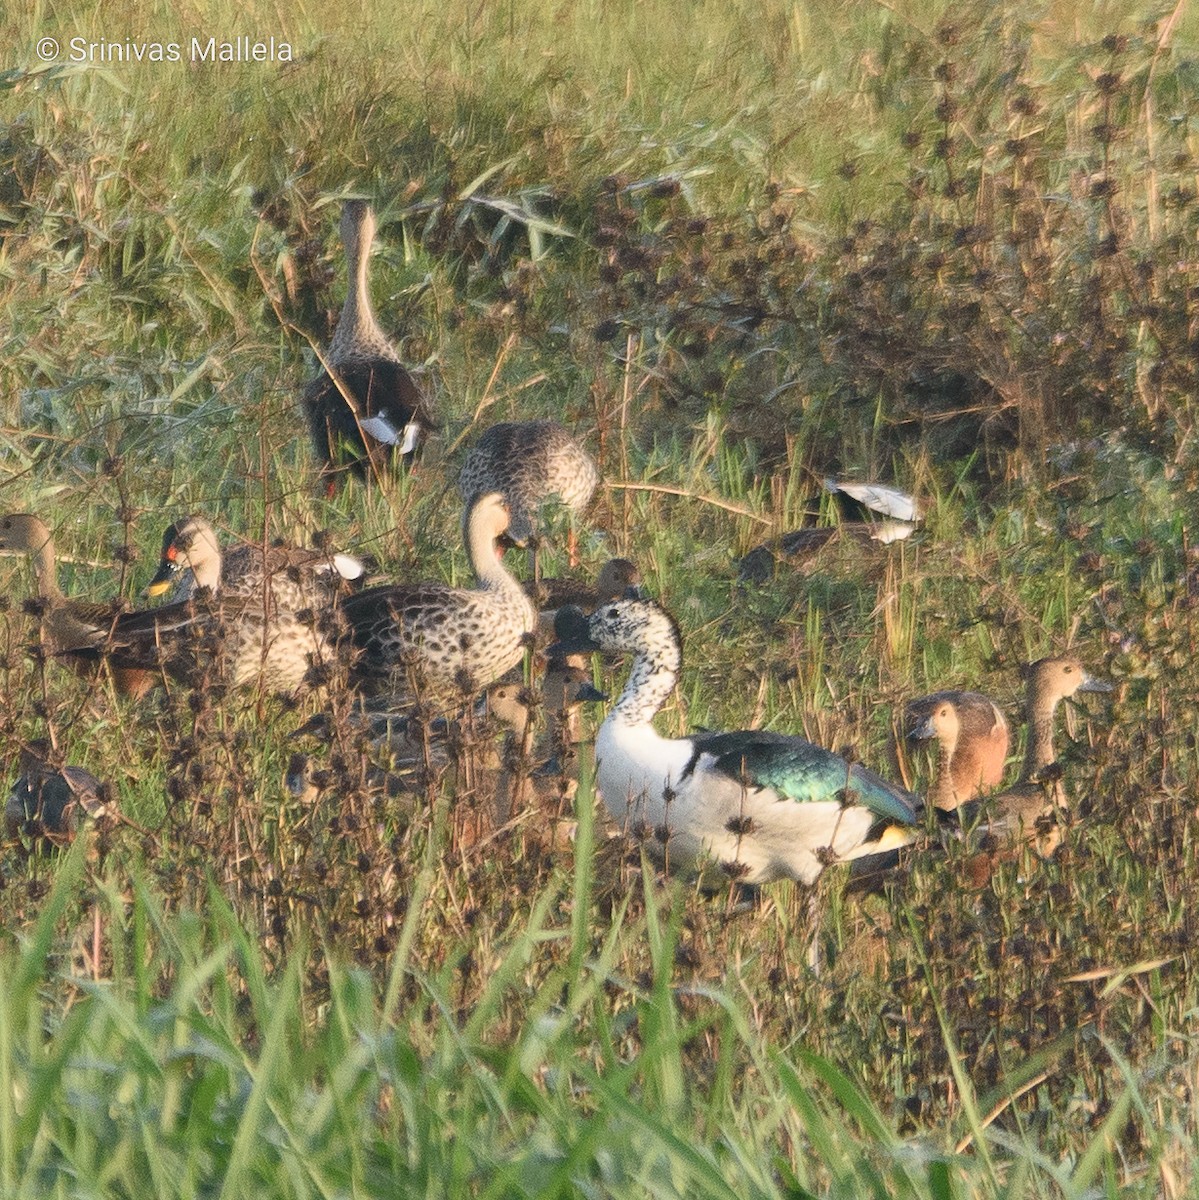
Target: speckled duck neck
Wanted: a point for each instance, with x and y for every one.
(658, 659)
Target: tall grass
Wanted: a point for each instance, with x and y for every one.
(738, 249)
(194, 1068)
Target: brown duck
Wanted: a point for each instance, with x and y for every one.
(66, 623)
(365, 410)
(271, 626)
(531, 464)
(1024, 812)
(444, 641)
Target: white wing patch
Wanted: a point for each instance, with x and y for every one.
(348, 567)
(887, 501)
(381, 429)
(411, 437)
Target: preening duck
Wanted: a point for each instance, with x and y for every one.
(870, 513)
(451, 641)
(760, 805)
(366, 411)
(877, 502)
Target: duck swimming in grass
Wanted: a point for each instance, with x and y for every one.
(760, 805)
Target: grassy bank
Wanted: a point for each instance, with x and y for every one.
(738, 249)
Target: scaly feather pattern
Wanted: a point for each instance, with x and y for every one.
(529, 463)
(459, 639)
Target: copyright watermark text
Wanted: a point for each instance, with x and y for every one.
(238, 49)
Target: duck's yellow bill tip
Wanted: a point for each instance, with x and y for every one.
(895, 836)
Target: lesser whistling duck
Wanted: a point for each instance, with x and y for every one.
(1017, 813)
(618, 578)
(615, 578)
(972, 737)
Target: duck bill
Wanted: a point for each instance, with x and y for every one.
(162, 581)
(572, 633)
(922, 732)
(573, 645)
(1091, 684)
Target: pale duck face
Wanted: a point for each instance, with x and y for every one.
(631, 625)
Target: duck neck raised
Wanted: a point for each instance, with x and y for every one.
(1040, 711)
(45, 569)
(358, 332)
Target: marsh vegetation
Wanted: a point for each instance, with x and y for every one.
(737, 251)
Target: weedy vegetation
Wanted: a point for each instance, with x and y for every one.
(737, 248)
